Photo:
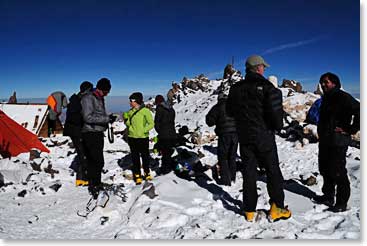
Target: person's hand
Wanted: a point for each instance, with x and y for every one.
(112, 118)
(339, 130)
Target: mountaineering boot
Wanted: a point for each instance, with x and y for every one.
(323, 200)
(148, 176)
(80, 182)
(94, 191)
(138, 179)
(276, 213)
(249, 216)
(338, 208)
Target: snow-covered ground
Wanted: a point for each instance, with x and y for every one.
(173, 208)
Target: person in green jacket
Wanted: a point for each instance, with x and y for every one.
(139, 121)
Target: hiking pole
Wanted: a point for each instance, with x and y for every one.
(110, 134)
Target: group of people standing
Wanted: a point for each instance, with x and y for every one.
(253, 112)
(249, 116)
(87, 120)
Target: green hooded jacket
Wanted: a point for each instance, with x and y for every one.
(140, 125)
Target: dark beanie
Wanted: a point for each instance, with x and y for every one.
(104, 84)
(85, 86)
(138, 97)
(159, 99)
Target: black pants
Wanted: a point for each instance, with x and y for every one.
(227, 151)
(51, 127)
(166, 147)
(81, 173)
(139, 147)
(332, 168)
(251, 154)
(93, 143)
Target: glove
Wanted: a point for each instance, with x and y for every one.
(112, 118)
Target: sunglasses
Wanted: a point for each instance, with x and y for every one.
(132, 100)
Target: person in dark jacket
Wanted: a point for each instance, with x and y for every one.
(96, 122)
(73, 129)
(227, 141)
(164, 124)
(339, 118)
(257, 108)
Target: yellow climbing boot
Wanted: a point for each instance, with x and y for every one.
(137, 178)
(80, 182)
(148, 176)
(249, 216)
(279, 213)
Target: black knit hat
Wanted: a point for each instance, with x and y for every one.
(104, 84)
(85, 86)
(158, 99)
(137, 96)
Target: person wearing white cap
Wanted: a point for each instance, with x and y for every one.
(257, 108)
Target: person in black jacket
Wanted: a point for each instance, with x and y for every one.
(339, 118)
(164, 124)
(257, 108)
(73, 127)
(227, 141)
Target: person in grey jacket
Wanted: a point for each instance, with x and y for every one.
(56, 102)
(96, 122)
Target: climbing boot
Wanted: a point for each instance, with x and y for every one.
(338, 208)
(277, 213)
(80, 182)
(328, 201)
(138, 179)
(148, 176)
(250, 216)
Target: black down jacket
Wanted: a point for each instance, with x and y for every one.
(164, 121)
(257, 108)
(338, 109)
(217, 116)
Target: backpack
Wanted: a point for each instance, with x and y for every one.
(74, 119)
(313, 114)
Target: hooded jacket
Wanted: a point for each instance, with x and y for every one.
(94, 113)
(218, 116)
(257, 108)
(164, 121)
(139, 125)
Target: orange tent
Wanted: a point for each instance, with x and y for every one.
(15, 139)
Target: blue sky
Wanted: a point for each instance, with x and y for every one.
(145, 45)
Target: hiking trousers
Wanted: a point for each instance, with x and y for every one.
(93, 143)
(332, 164)
(166, 147)
(227, 152)
(82, 167)
(251, 155)
(139, 147)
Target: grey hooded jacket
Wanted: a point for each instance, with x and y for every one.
(94, 113)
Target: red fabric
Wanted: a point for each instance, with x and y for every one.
(15, 139)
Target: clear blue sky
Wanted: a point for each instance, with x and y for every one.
(145, 45)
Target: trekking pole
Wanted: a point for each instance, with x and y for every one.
(110, 134)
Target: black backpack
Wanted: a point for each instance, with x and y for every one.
(74, 119)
